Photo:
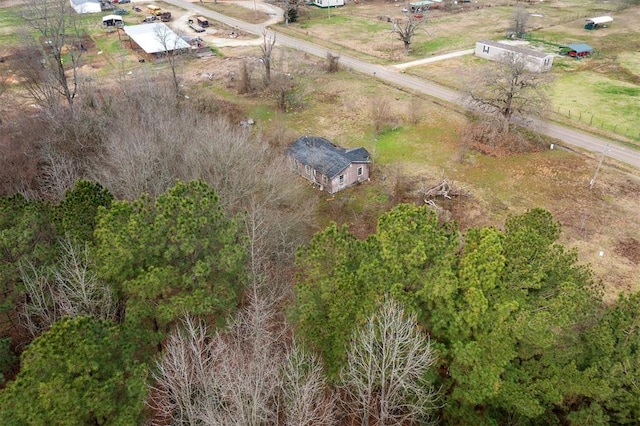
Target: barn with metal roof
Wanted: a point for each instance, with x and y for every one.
(155, 38)
(576, 50)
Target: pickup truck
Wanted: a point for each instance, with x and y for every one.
(195, 27)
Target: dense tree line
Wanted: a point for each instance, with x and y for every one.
(519, 326)
(418, 322)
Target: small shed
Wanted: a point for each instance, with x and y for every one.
(576, 50)
(328, 3)
(598, 22)
(535, 61)
(330, 167)
(113, 21)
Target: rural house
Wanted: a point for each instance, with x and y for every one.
(328, 3)
(86, 6)
(535, 61)
(328, 166)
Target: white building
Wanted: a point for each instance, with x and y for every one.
(156, 38)
(328, 3)
(86, 6)
(535, 61)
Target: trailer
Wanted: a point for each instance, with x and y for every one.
(195, 27)
(598, 22)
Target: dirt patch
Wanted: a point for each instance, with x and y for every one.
(629, 248)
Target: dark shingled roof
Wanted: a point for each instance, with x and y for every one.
(325, 157)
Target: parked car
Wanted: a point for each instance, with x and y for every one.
(137, 8)
(121, 12)
(149, 19)
(124, 1)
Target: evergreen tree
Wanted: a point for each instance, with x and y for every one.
(78, 372)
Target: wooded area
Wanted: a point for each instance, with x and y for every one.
(419, 322)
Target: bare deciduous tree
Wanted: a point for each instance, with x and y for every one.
(508, 90)
(173, 51)
(384, 378)
(519, 22)
(245, 85)
(381, 114)
(282, 87)
(57, 40)
(268, 41)
(181, 385)
(291, 10)
(69, 288)
(307, 400)
(232, 378)
(332, 62)
(406, 29)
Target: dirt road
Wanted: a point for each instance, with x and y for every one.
(391, 75)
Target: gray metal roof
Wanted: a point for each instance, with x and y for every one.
(324, 156)
(155, 38)
(579, 47)
(516, 49)
(79, 2)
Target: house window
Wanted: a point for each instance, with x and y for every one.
(324, 180)
(341, 180)
(485, 49)
(307, 169)
(360, 171)
(546, 61)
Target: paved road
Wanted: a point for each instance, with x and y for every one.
(391, 75)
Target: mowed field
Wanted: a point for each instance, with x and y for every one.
(602, 224)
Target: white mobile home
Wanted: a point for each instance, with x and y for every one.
(328, 3)
(535, 61)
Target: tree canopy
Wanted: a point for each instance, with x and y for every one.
(503, 306)
(78, 372)
(170, 256)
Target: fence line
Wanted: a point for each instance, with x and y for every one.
(627, 130)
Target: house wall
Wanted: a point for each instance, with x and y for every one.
(328, 3)
(533, 63)
(350, 176)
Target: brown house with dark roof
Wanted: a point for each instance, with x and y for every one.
(329, 166)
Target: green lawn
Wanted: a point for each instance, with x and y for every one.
(599, 101)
